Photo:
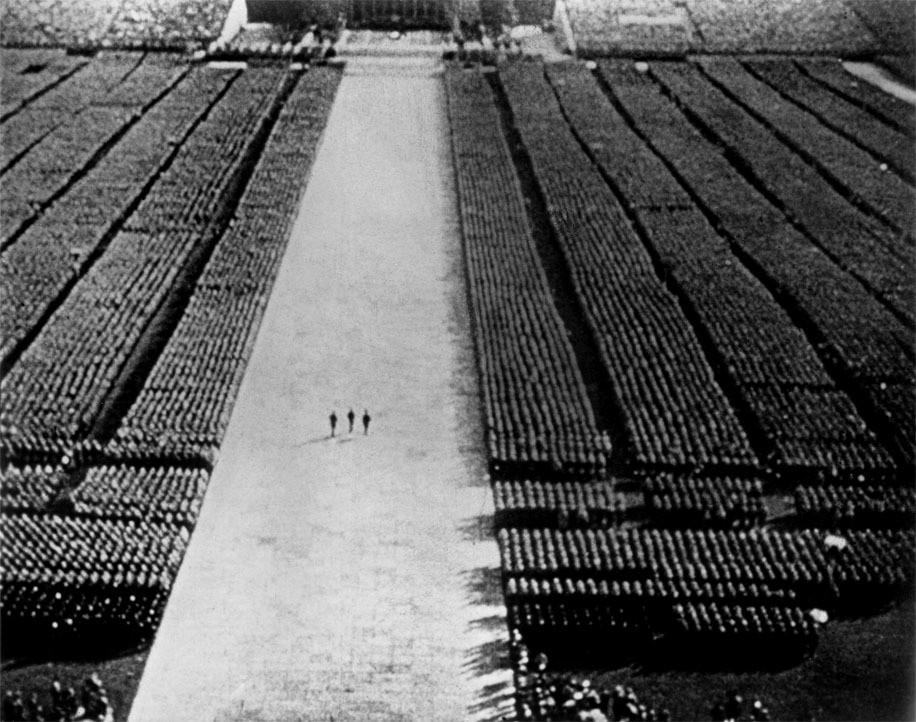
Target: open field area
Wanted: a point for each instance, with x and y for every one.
(635, 330)
(369, 592)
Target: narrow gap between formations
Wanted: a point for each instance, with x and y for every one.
(155, 336)
(16, 352)
(19, 156)
(733, 156)
(825, 120)
(92, 162)
(759, 443)
(25, 102)
(811, 160)
(876, 421)
(598, 383)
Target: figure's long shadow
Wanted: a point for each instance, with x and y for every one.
(493, 623)
(340, 439)
(316, 440)
(495, 700)
(496, 707)
(484, 585)
(488, 657)
(477, 528)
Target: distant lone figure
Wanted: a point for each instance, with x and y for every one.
(333, 418)
(366, 420)
(350, 417)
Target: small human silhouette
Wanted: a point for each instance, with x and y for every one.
(333, 419)
(366, 420)
(350, 417)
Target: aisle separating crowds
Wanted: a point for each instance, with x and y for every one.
(145, 285)
(638, 280)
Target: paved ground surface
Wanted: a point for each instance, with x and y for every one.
(354, 578)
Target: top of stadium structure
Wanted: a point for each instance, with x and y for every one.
(372, 14)
(375, 43)
(309, 30)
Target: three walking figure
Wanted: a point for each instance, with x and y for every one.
(351, 417)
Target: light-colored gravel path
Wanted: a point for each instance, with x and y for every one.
(355, 578)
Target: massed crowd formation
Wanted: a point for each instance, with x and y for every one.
(686, 548)
(194, 203)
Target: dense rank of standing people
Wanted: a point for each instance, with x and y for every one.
(64, 705)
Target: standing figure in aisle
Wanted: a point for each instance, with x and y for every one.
(351, 417)
(333, 419)
(366, 420)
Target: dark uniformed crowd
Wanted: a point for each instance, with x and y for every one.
(63, 704)
(549, 696)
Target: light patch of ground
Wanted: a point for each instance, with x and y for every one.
(236, 19)
(565, 36)
(354, 578)
(543, 45)
(880, 77)
(678, 17)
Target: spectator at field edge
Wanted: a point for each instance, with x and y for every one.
(366, 420)
(759, 713)
(333, 419)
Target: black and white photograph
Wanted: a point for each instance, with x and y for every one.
(457, 360)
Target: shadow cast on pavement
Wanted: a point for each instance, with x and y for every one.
(492, 623)
(484, 584)
(495, 702)
(488, 657)
(478, 528)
